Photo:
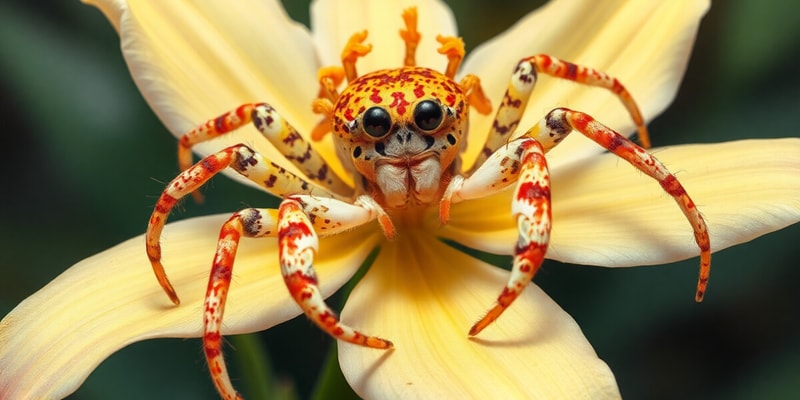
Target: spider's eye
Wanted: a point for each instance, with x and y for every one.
(427, 115)
(376, 122)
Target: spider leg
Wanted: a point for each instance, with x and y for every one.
(276, 129)
(521, 85)
(272, 177)
(297, 244)
(250, 222)
(521, 161)
(561, 121)
(288, 141)
(531, 209)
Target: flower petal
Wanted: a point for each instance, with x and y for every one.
(51, 341)
(646, 44)
(605, 213)
(195, 61)
(333, 22)
(424, 296)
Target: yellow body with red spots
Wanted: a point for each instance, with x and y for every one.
(402, 130)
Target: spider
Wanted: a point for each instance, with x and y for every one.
(400, 133)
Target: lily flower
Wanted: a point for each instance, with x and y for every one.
(193, 62)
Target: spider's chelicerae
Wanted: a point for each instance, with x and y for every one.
(400, 133)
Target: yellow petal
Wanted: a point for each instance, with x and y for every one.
(195, 61)
(646, 44)
(606, 213)
(51, 341)
(333, 22)
(424, 296)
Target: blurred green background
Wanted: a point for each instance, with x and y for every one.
(87, 159)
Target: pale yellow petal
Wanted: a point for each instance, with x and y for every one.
(646, 44)
(194, 61)
(333, 22)
(606, 213)
(113, 10)
(51, 341)
(424, 296)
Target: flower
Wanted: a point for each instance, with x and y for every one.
(51, 341)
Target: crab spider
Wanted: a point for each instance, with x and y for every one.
(400, 133)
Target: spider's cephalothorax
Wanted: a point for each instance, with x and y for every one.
(400, 133)
(402, 130)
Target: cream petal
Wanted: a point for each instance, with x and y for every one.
(605, 213)
(113, 9)
(333, 22)
(51, 341)
(646, 44)
(195, 61)
(424, 296)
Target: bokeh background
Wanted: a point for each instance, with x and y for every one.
(86, 160)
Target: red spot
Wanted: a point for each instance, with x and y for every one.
(212, 347)
(419, 91)
(221, 273)
(532, 191)
(326, 318)
(375, 97)
(305, 295)
(450, 100)
(243, 110)
(296, 282)
(506, 297)
(672, 186)
(212, 352)
(571, 72)
(580, 121)
(531, 257)
(210, 165)
(612, 142)
(399, 102)
(545, 61)
(617, 87)
(294, 230)
(165, 203)
(220, 125)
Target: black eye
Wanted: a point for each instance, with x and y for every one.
(428, 115)
(376, 122)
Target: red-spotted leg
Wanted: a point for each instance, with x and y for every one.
(522, 83)
(244, 160)
(562, 119)
(523, 161)
(297, 244)
(250, 222)
(297, 240)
